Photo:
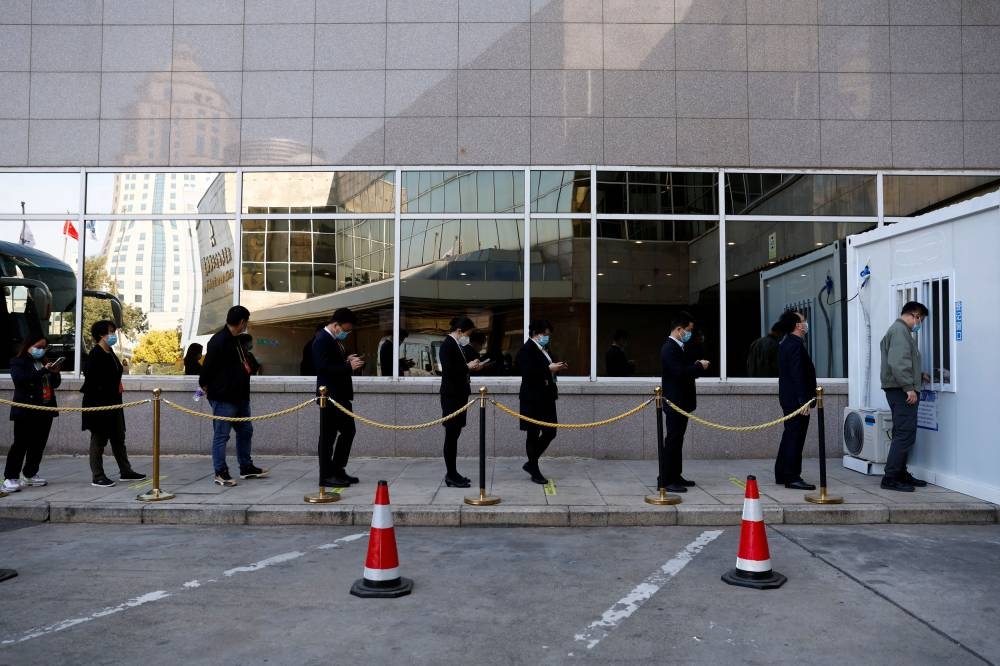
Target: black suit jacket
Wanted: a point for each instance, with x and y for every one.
(332, 369)
(29, 386)
(796, 373)
(679, 372)
(101, 382)
(454, 372)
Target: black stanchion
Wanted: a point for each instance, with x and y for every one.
(483, 499)
(322, 497)
(662, 498)
(822, 497)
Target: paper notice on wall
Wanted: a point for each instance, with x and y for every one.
(927, 411)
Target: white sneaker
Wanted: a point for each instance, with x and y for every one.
(11, 486)
(33, 481)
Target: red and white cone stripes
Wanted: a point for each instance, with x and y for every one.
(381, 576)
(753, 554)
(753, 559)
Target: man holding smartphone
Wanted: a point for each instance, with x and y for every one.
(334, 370)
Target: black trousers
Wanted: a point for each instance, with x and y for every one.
(788, 464)
(31, 434)
(100, 438)
(904, 432)
(452, 432)
(676, 426)
(536, 441)
(336, 435)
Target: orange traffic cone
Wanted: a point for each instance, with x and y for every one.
(753, 560)
(381, 577)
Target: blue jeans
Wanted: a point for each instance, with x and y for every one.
(220, 437)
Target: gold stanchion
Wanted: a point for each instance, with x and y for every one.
(822, 497)
(662, 498)
(155, 494)
(483, 499)
(322, 497)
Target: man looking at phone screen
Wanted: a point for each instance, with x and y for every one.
(334, 370)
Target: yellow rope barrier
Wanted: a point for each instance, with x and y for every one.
(749, 428)
(240, 419)
(572, 426)
(390, 426)
(102, 408)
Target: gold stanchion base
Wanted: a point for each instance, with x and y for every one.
(823, 498)
(3, 494)
(322, 497)
(482, 500)
(663, 498)
(155, 495)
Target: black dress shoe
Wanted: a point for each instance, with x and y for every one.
(912, 480)
(799, 484)
(681, 481)
(335, 482)
(890, 483)
(456, 482)
(342, 474)
(536, 474)
(675, 488)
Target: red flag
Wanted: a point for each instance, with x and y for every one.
(70, 230)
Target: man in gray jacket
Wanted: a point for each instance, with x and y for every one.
(901, 380)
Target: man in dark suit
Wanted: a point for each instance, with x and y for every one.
(679, 373)
(796, 385)
(538, 394)
(455, 391)
(616, 363)
(334, 369)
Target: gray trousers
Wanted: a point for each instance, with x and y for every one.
(904, 432)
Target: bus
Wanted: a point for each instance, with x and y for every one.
(40, 299)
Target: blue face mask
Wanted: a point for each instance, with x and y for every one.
(36, 353)
(916, 328)
(686, 336)
(342, 335)
(112, 340)
(544, 340)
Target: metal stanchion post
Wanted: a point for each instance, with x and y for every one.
(322, 497)
(662, 498)
(822, 497)
(483, 499)
(155, 494)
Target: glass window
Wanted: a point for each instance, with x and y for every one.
(453, 268)
(934, 339)
(462, 192)
(203, 193)
(652, 192)
(39, 193)
(800, 194)
(778, 266)
(906, 196)
(560, 288)
(318, 192)
(643, 282)
(560, 191)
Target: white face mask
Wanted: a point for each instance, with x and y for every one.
(805, 328)
(463, 340)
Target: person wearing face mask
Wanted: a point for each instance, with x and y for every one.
(679, 373)
(225, 379)
(796, 386)
(538, 394)
(35, 383)
(334, 370)
(902, 377)
(455, 391)
(102, 386)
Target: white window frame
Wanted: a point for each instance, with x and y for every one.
(922, 290)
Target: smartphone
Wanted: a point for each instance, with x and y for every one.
(59, 361)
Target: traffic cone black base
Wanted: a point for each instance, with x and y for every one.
(769, 580)
(7, 573)
(390, 589)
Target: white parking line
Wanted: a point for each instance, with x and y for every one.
(598, 630)
(150, 597)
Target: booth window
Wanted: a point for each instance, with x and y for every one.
(934, 339)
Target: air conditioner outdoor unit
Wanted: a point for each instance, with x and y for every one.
(867, 433)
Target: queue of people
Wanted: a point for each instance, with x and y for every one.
(224, 377)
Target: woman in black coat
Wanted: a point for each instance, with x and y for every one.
(455, 391)
(192, 359)
(103, 386)
(538, 394)
(35, 383)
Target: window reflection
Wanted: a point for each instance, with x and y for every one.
(39, 193)
(560, 191)
(163, 193)
(800, 194)
(776, 266)
(650, 192)
(462, 192)
(642, 282)
(915, 195)
(318, 192)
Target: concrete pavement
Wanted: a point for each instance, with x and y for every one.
(584, 492)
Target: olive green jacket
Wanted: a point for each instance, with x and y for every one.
(900, 358)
